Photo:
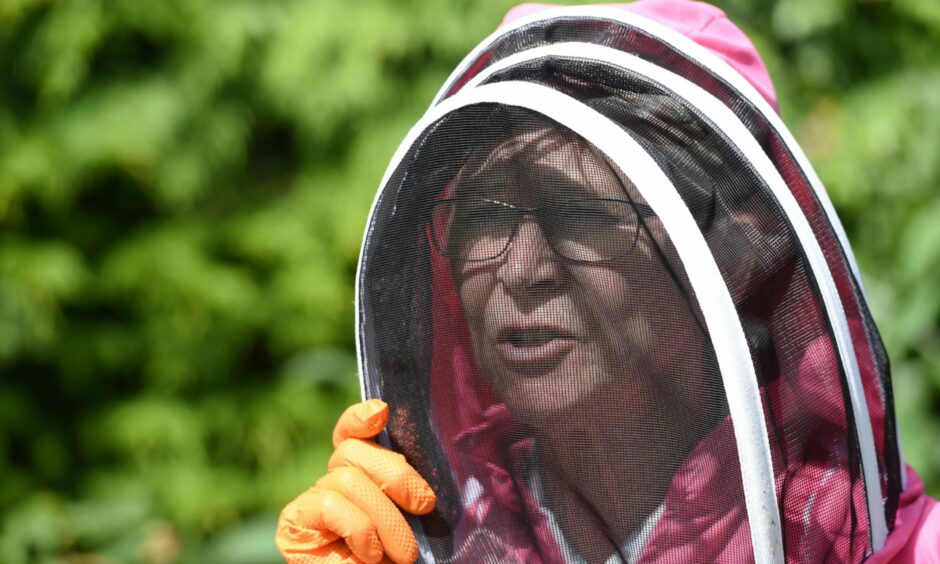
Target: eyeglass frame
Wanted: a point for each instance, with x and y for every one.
(641, 210)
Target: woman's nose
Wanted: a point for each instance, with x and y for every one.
(530, 261)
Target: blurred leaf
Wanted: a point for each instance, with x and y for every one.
(152, 427)
(322, 367)
(920, 241)
(36, 279)
(246, 543)
(796, 19)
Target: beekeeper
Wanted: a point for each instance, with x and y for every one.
(606, 314)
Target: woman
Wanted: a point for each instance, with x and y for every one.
(614, 321)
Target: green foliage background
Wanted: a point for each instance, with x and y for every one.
(183, 188)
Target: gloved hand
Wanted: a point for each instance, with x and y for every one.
(349, 514)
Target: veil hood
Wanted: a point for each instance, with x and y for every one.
(740, 381)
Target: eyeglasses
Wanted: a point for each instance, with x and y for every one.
(584, 230)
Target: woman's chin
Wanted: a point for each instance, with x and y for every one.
(551, 384)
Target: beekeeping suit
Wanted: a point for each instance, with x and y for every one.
(615, 318)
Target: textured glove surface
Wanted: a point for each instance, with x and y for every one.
(352, 513)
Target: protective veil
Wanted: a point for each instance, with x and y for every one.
(613, 313)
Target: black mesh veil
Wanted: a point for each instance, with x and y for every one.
(586, 370)
(633, 34)
(765, 268)
(526, 317)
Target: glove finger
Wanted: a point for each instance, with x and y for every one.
(297, 528)
(394, 532)
(394, 476)
(361, 420)
(336, 553)
(318, 517)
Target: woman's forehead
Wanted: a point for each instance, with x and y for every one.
(543, 165)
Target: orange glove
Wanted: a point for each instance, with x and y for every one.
(349, 515)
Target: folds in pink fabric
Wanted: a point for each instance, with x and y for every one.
(703, 23)
(916, 534)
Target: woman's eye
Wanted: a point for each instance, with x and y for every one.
(478, 214)
(495, 214)
(592, 216)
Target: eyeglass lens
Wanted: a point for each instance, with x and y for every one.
(588, 230)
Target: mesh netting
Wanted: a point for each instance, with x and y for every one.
(869, 350)
(526, 316)
(809, 417)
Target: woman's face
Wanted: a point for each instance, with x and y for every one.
(554, 335)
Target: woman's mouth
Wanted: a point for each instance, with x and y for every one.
(533, 350)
